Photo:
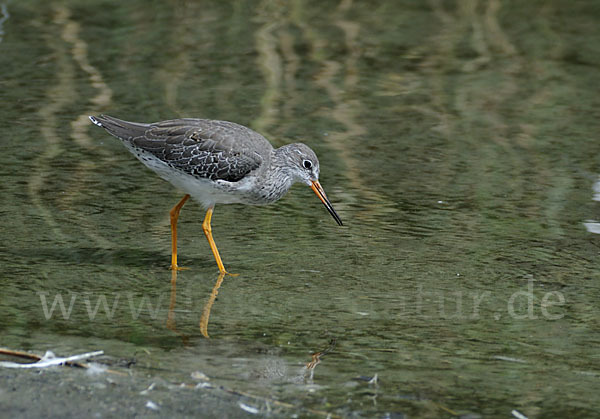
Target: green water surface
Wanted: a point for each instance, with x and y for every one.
(458, 141)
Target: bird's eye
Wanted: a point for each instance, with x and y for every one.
(307, 164)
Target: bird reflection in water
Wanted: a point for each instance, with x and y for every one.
(310, 366)
(171, 324)
(208, 306)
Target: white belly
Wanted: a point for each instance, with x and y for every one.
(205, 191)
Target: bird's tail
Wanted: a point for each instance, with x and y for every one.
(121, 129)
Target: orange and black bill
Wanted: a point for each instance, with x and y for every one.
(316, 186)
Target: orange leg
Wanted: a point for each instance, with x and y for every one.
(208, 232)
(174, 216)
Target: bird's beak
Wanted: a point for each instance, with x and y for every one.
(316, 186)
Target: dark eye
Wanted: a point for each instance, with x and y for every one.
(307, 164)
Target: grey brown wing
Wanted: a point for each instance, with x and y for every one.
(198, 147)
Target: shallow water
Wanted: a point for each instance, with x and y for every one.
(458, 143)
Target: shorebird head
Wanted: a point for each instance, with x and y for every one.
(304, 166)
(303, 163)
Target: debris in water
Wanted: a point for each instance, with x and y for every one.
(151, 405)
(248, 409)
(49, 360)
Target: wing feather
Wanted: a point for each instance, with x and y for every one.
(216, 150)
